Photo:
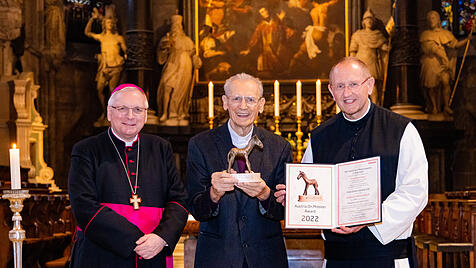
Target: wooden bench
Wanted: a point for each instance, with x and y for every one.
(445, 231)
(438, 252)
(422, 244)
(445, 249)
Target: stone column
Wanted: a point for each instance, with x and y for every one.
(140, 48)
(404, 61)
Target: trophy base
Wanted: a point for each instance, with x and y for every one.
(247, 177)
(309, 198)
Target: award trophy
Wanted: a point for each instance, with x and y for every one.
(305, 197)
(235, 152)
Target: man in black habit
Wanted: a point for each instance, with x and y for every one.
(125, 192)
(364, 130)
(239, 221)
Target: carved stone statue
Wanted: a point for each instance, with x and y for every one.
(176, 50)
(438, 64)
(370, 45)
(244, 152)
(112, 57)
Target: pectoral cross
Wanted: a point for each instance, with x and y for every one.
(135, 200)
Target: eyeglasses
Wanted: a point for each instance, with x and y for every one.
(249, 100)
(351, 85)
(123, 110)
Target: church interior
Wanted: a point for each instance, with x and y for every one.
(57, 70)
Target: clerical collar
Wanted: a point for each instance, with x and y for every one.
(355, 120)
(237, 140)
(128, 143)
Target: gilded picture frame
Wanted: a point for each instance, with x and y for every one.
(271, 39)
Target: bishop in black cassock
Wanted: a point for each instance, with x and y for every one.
(112, 172)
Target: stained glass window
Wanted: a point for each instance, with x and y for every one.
(447, 15)
(466, 13)
(458, 16)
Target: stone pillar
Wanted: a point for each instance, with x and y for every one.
(404, 61)
(140, 48)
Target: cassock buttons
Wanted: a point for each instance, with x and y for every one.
(245, 245)
(131, 161)
(133, 173)
(129, 149)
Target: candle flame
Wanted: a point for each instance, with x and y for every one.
(298, 82)
(14, 146)
(211, 83)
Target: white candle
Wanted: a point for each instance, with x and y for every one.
(298, 98)
(15, 167)
(318, 98)
(211, 106)
(276, 98)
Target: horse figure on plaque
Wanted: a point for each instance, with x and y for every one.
(234, 152)
(305, 197)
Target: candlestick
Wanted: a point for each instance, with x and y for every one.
(299, 140)
(276, 98)
(15, 168)
(17, 234)
(276, 122)
(318, 98)
(211, 105)
(319, 119)
(298, 98)
(210, 122)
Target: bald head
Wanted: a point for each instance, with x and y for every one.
(358, 64)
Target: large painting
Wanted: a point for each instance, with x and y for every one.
(271, 39)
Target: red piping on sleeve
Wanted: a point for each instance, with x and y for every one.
(180, 205)
(93, 218)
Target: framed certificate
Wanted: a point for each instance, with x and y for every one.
(320, 196)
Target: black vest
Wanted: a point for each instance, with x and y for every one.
(378, 133)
